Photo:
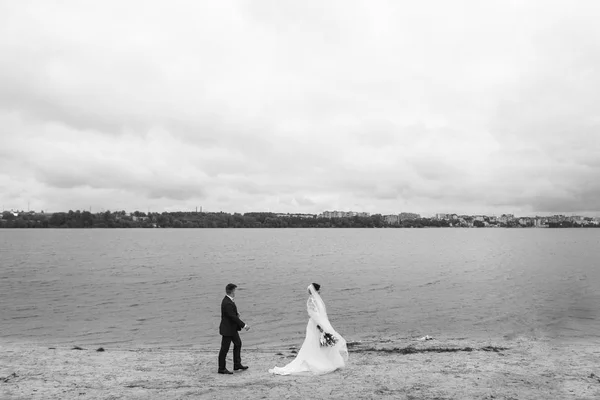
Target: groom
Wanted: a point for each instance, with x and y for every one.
(230, 325)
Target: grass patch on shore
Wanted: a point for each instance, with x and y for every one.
(413, 350)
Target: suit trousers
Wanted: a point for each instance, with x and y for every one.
(237, 350)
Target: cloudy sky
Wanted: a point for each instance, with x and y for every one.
(301, 106)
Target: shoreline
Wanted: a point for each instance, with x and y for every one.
(306, 227)
(443, 368)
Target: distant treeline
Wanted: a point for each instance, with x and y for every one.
(121, 219)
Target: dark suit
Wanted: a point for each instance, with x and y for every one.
(231, 324)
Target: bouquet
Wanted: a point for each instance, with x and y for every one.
(326, 339)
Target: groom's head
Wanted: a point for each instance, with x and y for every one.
(230, 289)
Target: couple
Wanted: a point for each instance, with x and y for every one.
(323, 351)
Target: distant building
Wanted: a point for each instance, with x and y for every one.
(408, 216)
(555, 219)
(506, 218)
(441, 216)
(526, 221)
(343, 214)
(540, 222)
(391, 219)
(287, 215)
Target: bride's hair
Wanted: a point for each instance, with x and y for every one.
(317, 286)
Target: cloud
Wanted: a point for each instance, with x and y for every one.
(301, 107)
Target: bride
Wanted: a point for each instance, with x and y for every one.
(324, 350)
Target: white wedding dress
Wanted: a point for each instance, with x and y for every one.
(313, 357)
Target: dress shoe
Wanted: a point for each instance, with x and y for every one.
(225, 371)
(237, 367)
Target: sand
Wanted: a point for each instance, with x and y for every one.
(463, 369)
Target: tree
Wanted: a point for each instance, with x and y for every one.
(7, 215)
(478, 224)
(58, 219)
(88, 219)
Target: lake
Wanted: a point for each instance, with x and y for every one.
(163, 287)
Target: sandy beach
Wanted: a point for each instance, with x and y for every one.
(405, 369)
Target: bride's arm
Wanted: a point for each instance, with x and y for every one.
(316, 312)
(311, 305)
(312, 308)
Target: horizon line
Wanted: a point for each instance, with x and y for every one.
(421, 215)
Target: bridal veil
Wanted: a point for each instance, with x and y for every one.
(324, 350)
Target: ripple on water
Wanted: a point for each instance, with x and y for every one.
(119, 287)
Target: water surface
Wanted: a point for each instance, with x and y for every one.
(163, 287)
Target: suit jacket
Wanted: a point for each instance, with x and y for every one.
(230, 319)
